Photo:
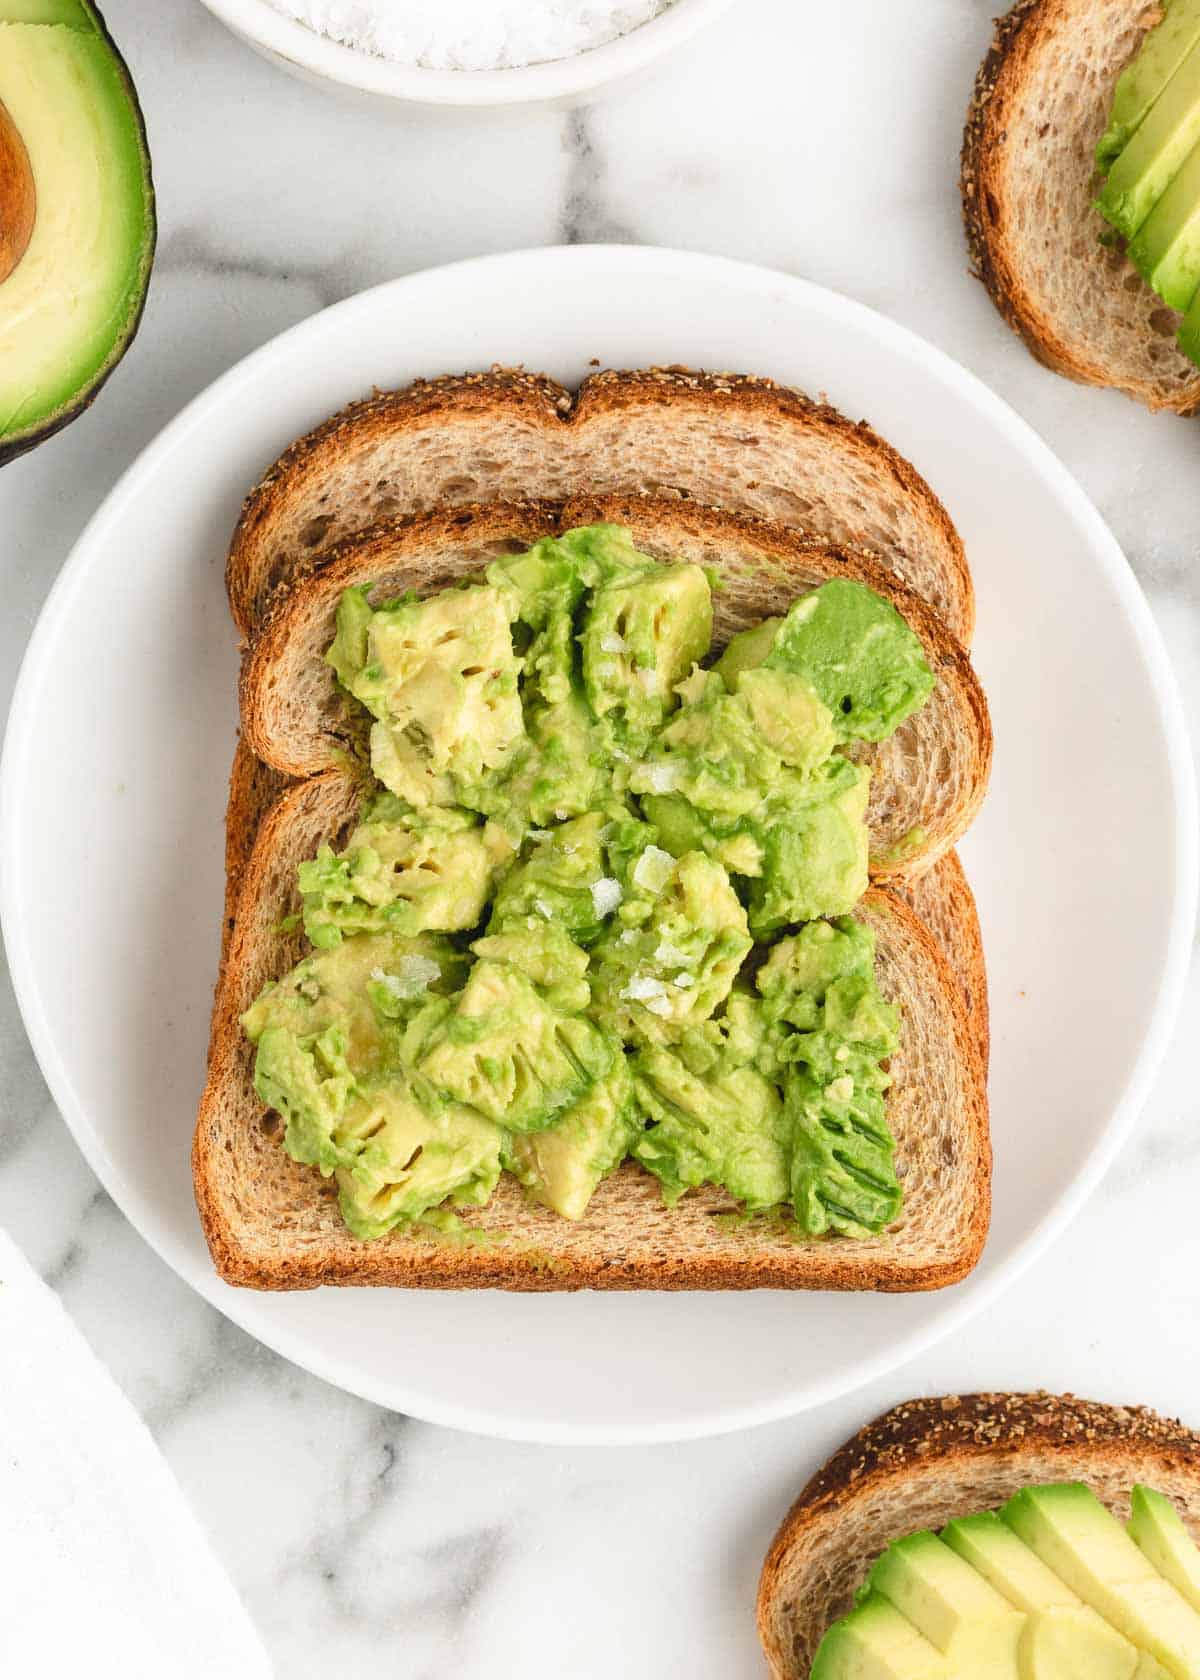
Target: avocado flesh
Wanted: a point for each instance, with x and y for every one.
(974, 1627)
(1064, 1639)
(875, 1642)
(1157, 1530)
(1189, 331)
(1166, 249)
(1152, 159)
(1140, 83)
(72, 304)
(1084, 1544)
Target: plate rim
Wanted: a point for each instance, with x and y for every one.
(971, 1297)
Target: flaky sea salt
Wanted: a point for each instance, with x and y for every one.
(472, 34)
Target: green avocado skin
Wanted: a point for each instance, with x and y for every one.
(86, 16)
(602, 908)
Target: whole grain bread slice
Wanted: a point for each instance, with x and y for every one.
(745, 444)
(1040, 104)
(272, 1224)
(929, 1461)
(943, 899)
(929, 778)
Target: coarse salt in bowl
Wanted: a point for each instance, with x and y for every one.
(466, 53)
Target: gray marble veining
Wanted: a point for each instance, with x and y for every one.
(819, 139)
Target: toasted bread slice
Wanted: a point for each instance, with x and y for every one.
(943, 899)
(272, 1224)
(1040, 105)
(745, 444)
(929, 1461)
(928, 781)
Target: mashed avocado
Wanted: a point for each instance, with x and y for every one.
(587, 915)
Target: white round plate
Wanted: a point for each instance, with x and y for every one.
(1084, 859)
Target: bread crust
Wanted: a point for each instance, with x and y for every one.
(1023, 37)
(271, 1225)
(536, 409)
(943, 899)
(758, 560)
(930, 1460)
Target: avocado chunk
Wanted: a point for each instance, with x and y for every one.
(562, 881)
(790, 716)
(335, 1024)
(727, 1130)
(640, 637)
(1085, 1545)
(408, 1156)
(813, 847)
(875, 1642)
(71, 305)
(1166, 248)
(859, 655)
(819, 990)
(1064, 1638)
(1157, 1530)
(439, 676)
(1142, 81)
(746, 651)
(562, 1166)
(1145, 169)
(974, 1627)
(406, 870)
(670, 954)
(505, 1050)
(712, 753)
(547, 956)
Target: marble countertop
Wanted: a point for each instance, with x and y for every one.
(822, 140)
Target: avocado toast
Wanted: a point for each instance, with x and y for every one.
(418, 586)
(1019, 1488)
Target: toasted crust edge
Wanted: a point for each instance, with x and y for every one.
(1017, 33)
(463, 1267)
(392, 541)
(924, 1438)
(545, 401)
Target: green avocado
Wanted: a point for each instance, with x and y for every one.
(813, 845)
(563, 880)
(856, 651)
(504, 1050)
(640, 637)
(712, 753)
(670, 955)
(790, 716)
(1063, 1637)
(1085, 1545)
(746, 651)
(1149, 163)
(335, 1024)
(562, 1166)
(974, 1627)
(1141, 82)
(875, 1642)
(77, 224)
(411, 871)
(1166, 248)
(439, 676)
(1156, 1529)
(820, 993)
(547, 956)
(411, 1156)
(727, 1130)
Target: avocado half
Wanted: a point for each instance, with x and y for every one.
(77, 223)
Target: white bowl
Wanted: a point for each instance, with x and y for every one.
(316, 58)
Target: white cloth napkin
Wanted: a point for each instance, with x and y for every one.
(105, 1570)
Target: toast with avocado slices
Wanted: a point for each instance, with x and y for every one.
(928, 777)
(745, 444)
(1081, 190)
(1013, 1536)
(273, 1223)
